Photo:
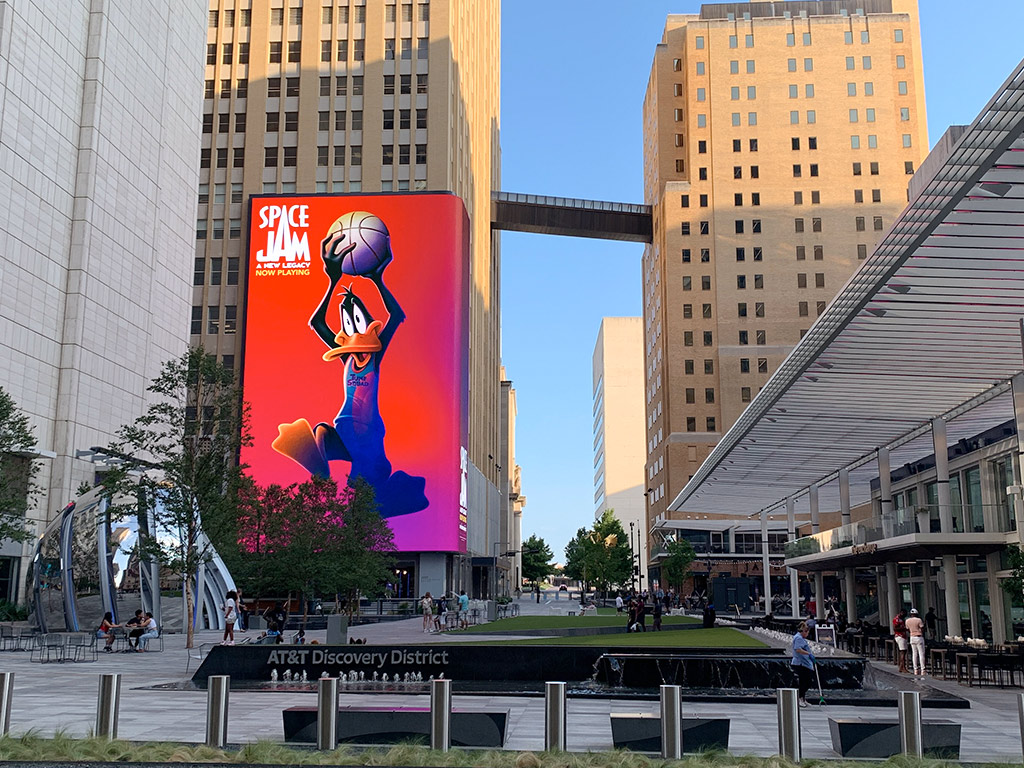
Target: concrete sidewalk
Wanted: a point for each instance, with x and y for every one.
(51, 697)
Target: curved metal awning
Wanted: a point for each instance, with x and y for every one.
(930, 321)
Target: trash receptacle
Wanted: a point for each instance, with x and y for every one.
(491, 610)
(337, 629)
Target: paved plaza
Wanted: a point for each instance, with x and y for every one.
(50, 697)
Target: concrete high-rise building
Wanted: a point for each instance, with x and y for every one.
(355, 96)
(779, 139)
(98, 142)
(619, 452)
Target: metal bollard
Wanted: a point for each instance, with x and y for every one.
(671, 722)
(327, 713)
(788, 703)
(554, 717)
(440, 714)
(1020, 716)
(107, 704)
(6, 697)
(911, 741)
(217, 710)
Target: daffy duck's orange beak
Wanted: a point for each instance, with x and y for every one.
(359, 345)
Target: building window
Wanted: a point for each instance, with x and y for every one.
(707, 339)
(850, 62)
(819, 252)
(741, 310)
(295, 47)
(759, 309)
(705, 255)
(808, 65)
(743, 338)
(705, 228)
(858, 195)
(815, 222)
(709, 395)
(862, 251)
(798, 224)
(687, 311)
(801, 280)
(901, 86)
(691, 424)
(744, 365)
(745, 394)
(197, 321)
(691, 396)
(859, 224)
(687, 283)
(762, 365)
(758, 282)
(801, 252)
(866, 62)
(705, 283)
(819, 279)
(686, 255)
(741, 282)
(802, 309)
(275, 53)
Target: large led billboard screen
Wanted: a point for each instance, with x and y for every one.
(356, 340)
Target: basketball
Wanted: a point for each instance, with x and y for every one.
(370, 236)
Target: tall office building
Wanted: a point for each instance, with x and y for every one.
(779, 139)
(619, 454)
(353, 96)
(98, 140)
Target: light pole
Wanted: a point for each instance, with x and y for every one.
(632, 559)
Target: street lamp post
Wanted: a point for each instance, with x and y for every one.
(632, 559)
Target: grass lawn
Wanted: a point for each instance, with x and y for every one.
(567, 622)
(719, 637)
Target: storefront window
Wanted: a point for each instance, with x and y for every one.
(982, 608)
(957, 503)
(1013, 611)
(932, 493)
(975, 515)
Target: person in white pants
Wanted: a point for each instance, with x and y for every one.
(915, 628)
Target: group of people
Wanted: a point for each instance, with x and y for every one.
(140, 629)
(634, 605)
(908, 631)
(435, 612)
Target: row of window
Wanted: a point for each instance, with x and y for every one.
(757, 282)
(324, 122)
(328, 15)
(214, 324)
(340, 86)
(217, 273)
(691, 424)
(234, 233)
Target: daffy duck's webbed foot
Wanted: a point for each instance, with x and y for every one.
(296, 441)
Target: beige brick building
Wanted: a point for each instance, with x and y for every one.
(779, 139)
(306, 96)
(618, 385)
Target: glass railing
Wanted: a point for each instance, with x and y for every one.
(976, 518)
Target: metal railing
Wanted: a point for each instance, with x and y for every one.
(570, 202)
(969, 518)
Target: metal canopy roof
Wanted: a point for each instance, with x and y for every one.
(931, 320)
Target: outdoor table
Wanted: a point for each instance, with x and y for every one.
(940, 655)
(965, 660)
(890, 649)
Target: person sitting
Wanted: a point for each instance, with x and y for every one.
(273, 631)
(106, 632)
(149, 632)
(300, 637)
(135, 630)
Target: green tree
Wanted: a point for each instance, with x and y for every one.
(676, 564)
(17, 470)
(311, 539)
(600, 557)
(180, 465)
(537, 556)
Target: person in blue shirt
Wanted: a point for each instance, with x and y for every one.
(803, 661)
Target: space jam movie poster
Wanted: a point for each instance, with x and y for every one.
(356, 340)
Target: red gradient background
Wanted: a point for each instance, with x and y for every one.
(423, 374)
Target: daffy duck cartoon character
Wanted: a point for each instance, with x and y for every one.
(357, 435)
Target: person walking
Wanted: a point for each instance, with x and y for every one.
(803, 661)
(427, 605)
(230, 615)
(931, 621)
(915, 628)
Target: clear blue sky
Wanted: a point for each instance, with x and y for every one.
(571, 126)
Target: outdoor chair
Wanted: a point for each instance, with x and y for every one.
(35, 647)
(198, 653)
(8, 641)
(53, 647)
(81, 646)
